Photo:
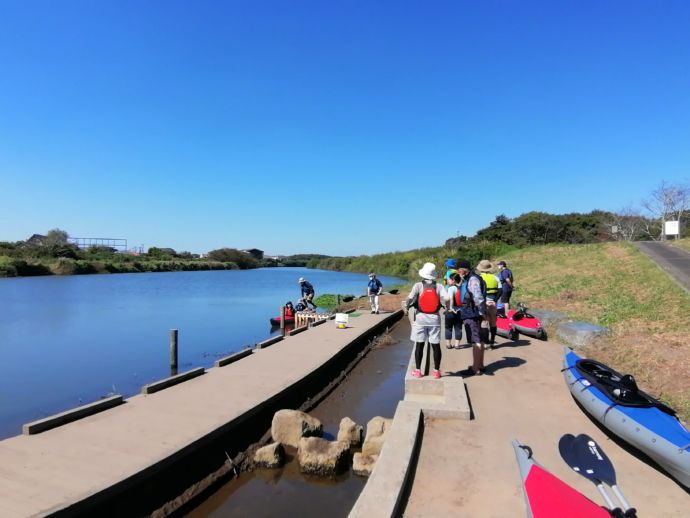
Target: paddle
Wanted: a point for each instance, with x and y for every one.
(594, 458)
(572, 459)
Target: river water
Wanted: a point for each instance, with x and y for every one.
(67, 341)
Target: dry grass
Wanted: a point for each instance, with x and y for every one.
(614, 285)
(680, 243)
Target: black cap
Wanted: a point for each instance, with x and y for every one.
(464, 264)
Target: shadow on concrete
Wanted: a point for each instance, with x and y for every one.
(513, 343)
(412, 470)
(630, 448)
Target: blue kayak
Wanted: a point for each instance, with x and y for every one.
(615, 401)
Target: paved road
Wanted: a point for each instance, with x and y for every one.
(673, 260)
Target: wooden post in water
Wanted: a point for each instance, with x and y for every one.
(173, 352)
(282, 317)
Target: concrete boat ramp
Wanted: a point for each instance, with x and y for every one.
(132, 459)
(466, 467)
(448, 452)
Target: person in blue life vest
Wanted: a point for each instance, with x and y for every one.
(374, 289)
(452, 320)
(493, 292)
(452, 267)
(472, 311)
(426, 298)
(307, 292)
(507, 284)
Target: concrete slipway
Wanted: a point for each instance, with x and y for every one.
(132, 459)
(467, 468)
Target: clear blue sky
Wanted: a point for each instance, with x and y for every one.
(378, 125)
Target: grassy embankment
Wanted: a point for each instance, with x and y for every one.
(610, 284)
(680, 243)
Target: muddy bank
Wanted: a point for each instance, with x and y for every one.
(372, 388)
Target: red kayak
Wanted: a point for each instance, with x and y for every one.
(506, 328)
(275, 322)
(526, 323)
(547, 496)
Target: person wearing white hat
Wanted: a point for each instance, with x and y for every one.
(307, 292)
(427, 298)
(374, 289)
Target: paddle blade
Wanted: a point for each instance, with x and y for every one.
(593, 458)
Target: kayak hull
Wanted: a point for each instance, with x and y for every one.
(288, 321)
(658, 434)
(547, 496)
(527, 325)
(506, 328)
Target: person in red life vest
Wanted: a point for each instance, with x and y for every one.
(453, 321)
(427, 297)
(289, 310)
(472, 311)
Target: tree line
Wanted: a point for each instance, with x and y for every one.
(54, 254)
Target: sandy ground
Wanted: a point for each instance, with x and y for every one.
(469, 468)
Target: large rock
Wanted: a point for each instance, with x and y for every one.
(321, 457)
(289, 426)
(580, 334)
(271, 456)
(377, 428)
(350, 432)
(363, 464)
(549, 318)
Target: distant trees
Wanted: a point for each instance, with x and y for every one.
(538, 228)
(231, 255)
(668, 202)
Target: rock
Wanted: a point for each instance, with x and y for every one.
(580, 334)
(376, 435)
(321, 457)
(289, 426)
(549, 318)
(350, 432)
(271, 456)
(363, 464)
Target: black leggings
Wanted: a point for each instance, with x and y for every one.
(419, 352)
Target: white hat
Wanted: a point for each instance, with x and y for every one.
(301, 280)
(428, 271)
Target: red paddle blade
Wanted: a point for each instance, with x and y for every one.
(550, 497)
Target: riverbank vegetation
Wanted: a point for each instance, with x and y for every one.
(54, 254)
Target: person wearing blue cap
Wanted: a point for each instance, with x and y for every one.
(452, 268)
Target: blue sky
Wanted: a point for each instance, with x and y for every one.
(345, 128)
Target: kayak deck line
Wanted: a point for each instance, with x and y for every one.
(138, 456)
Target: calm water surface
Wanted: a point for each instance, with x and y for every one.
(66, 341)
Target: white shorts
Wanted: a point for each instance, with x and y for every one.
(424, 333)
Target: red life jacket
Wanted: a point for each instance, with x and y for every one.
(429, 302)
(458, 301)
(288, 312)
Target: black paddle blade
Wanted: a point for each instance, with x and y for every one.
(592, 458)
(566, 447)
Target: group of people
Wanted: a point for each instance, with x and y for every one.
(470, 299)
(374, 289)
